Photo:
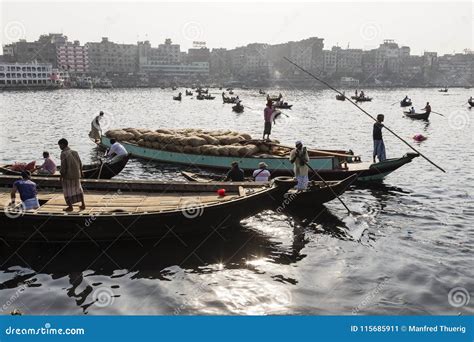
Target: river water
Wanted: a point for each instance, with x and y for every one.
(407, 250)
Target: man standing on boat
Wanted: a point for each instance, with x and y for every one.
(299, 158)
(427, 108)
(268, 116)
(379, 146)
(71, 173)
(96, 130)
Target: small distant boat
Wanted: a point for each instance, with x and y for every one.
(274, 98)
(238, 108)
(445, 90)
(471, 103)
(189, 93)
(404, 103)
(226, 99)
(261, 92)
(105, 170)
(361, 98)
(174, 88)
(177, 98)
(417, 116)
(341, 97)
(283, 106)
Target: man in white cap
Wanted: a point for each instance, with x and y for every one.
(261, 174)
(299, 158)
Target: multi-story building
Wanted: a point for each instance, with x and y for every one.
(72, 57)
(109, 57)
(28, 76)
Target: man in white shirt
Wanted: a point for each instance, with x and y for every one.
(116, 151)
(261, 174)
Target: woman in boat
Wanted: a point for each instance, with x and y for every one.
(96, 130)
(48, 167)
(379, 146)
(267, 115)
(71, 173)
(299, 158)
(261, 174)
(27, 190)
(235, 174)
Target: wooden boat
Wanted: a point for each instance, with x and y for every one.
(189, 93)
(316, 195)
(282, 106)
(177, 98)
(404, 103)
(226, 99)
(445, 90)
(208, 178)
(340, 97)
(471, 103)
(209, 97)
(331, 164)
(104, 170)
(417, 116)
(361, 98)
(274, 98)
(200, 97)
(126, 209)
(238, 109)
(261, 92)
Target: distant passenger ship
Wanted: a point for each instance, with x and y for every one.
(29, 76)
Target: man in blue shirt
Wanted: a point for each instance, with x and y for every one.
(27, 190)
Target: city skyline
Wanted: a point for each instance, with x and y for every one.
(365, 32)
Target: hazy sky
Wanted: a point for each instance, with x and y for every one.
(424, 26)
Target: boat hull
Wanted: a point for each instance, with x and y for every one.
(417, 116)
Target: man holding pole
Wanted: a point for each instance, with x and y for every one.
(299, 157)
(379, 146)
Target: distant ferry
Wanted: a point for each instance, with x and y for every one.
(29, 76)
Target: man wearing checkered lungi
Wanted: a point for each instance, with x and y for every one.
(71, 173)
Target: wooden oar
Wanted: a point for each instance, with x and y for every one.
(365, 112)
(325, 183)
(437, 113)
(394, 103)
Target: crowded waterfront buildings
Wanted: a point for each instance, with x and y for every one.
(254, 64)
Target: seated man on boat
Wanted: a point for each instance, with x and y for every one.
(412, 110)
(235, 174)
(48, 167)
(379, 146)
(27, 190)
(116, 151)
(427, 108)
(261, 174)
(299, 158)
(71, 173)
(96, 130)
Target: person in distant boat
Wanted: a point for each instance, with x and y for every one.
(470, 99)
(299, 158)
(412, 110)
(268, 116)
(427, 108)
(48, 167)
(356, 93)
(261, 174)
(27, 190)
(71, 173)
(379, 146)
(96, 130)
(235, 174)
(406, 99)
(362, 94)
(116, 151)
